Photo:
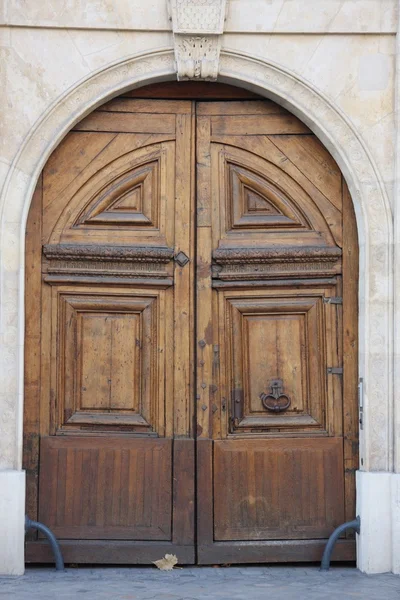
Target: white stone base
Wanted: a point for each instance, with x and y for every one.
(396, 523)
(377, 549)
(12, 522)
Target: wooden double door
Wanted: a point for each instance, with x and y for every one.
(190, 380)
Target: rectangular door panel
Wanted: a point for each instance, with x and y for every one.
(277, 489)
(109, 359)
(116, 488)
(274, 345)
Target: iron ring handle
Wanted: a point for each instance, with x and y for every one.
(272, 403)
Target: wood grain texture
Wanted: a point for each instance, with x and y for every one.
(252, 124)
(109, 359)
(205, 492)
(119, 332)
(183, 492)
(120, 552)
(276, 201)
(191, 90)
(106, 488)
(277, 489)
(288, 214)
(116, 374)
(268, 335)
(242, 108)
(127, 123)
(184, 277)
(282, 551)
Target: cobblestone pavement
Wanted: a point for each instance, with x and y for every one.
(205, 583)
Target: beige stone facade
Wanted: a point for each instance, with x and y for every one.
(333, 63)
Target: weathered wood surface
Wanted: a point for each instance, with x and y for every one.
(118, 334)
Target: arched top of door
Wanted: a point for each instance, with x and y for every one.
(192, 90)
(277, 179)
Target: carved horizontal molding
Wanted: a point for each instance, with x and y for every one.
(235, 264)
(156, 254)
(105, 262)
(275, 254)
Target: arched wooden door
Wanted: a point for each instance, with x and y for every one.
(176, 244)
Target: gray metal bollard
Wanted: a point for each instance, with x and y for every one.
(51, 538)
(326, 558)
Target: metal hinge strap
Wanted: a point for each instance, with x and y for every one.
(333, 300)
(334, 370)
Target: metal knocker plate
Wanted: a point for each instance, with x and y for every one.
(275, 401)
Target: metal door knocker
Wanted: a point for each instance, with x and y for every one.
(275, 401)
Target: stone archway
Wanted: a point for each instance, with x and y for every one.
(334, 130)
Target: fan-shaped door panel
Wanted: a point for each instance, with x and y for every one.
(260, 204)
(125, 201)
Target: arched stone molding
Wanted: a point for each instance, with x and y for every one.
(375, 231)
(328, 123)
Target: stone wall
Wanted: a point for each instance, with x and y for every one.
(332, 62)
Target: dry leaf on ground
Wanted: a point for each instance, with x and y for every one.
(167, 563)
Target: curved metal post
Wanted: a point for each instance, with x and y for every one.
(51, 538)
(326, 558)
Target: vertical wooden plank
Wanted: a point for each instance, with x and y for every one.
(203, 171)
(125, 388)
(350, 351)
(183, 280)
(215, 388)
(204, 339)
(183, 492)
(165, 404)
(49, 419)
(167, 341)
(224, 359)
(33, 248)
(95, 352)
(205, 497)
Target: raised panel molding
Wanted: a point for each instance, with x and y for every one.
(130, 199)
(122, 197)
(197, 26)
(256, 202)
(106, 370)
(268, 335)
(292, 215)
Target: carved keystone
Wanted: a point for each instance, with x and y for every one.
(197, 26)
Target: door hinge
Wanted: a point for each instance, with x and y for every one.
(237, 404)
(333, 300)
(334, 370)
